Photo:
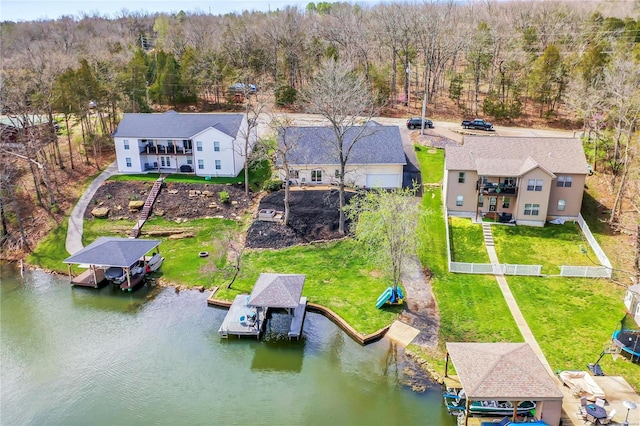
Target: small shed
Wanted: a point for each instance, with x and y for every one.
(505, 372)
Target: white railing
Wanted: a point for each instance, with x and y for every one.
(498, 269)
(585, 271)
(593, 271)
(470, 268)
(509, 269)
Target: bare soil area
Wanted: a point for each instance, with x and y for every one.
(314, 216)
(175, 200)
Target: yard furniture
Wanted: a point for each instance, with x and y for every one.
(595, 412)
(607, 419)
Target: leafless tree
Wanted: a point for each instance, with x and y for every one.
(343, 98)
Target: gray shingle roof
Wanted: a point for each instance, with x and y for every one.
(277, 290)
(173, 125)
(316, 145)
(109, 251)
(503, 156)
(502, 371)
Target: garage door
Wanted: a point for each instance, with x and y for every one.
(383, 181)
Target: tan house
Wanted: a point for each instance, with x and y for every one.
(520, 180)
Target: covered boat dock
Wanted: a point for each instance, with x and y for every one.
(111, 252)
(247, 315)
(503, 372)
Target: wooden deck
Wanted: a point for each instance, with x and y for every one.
(87, 279)
(295, 330)
(238, 320)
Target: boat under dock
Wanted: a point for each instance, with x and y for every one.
(295, 329)
(243, 320)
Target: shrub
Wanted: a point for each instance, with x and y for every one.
(224, 197)
(286, 95)
(272, 185)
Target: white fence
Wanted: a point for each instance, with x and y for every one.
(602, 271)
(498, 269)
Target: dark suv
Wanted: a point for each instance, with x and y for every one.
(416, 123)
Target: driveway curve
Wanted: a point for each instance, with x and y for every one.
(76, 219)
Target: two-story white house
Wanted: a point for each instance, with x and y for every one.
(202, 144)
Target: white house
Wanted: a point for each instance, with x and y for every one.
(376, 160)
(201, 144)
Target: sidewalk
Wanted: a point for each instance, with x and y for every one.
(76, 219)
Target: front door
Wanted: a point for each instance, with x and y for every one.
(492, 203)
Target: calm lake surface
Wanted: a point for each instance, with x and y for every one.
(76, 356)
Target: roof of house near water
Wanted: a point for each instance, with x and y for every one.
(513, 156)
(375, 144)
(277, 290)
(173, 125)
(110, 251)
(502, 371)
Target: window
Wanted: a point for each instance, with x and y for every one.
(337, 174)
(294, 174)
(126, 144)
(218, 165)
(216, 146)
(459, 200)
(506, 202)
(510, 181)
(200, 164)
(534, 185)
(561, 205)
(165, 161)
(532, 209)
(198, 145)
(484, 180)
(128, 161)
(480, 201)
(565, 181)
(189, 161)
(493, 201)
(461, 176)
(316, 175)
(186, 144)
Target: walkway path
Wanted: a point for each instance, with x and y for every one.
(75, 229)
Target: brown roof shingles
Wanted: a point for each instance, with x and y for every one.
(502, 371)
(506, 156)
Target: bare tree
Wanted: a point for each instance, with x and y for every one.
(285, 145)
(342, 97)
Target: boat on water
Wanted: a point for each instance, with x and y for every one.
(153, 263)
(456, 403)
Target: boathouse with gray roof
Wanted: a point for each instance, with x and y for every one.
(376, 155)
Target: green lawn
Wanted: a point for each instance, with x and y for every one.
(550, 246)
(338, 277)
(467, 241)
(573, 319)
(431, 163)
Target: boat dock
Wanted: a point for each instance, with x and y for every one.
(243, 320)
(295, 329)
(133, 282)
(92, 277)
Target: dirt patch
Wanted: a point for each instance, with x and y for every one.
(314, 216)
(175, 200)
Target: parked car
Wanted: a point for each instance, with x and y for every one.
(477, 124)
(242, 87)
(416, 123)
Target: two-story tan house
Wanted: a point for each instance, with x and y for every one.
(522, 180)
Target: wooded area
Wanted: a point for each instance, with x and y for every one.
(575, 64)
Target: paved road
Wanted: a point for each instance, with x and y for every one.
(76, 220)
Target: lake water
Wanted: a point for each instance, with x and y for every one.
(76, 356)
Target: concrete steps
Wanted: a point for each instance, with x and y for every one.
(488, 235)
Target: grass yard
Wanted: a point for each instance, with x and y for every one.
(573, 319)
(431, 163)
(467, 241)
(550, 246)
(339, 277)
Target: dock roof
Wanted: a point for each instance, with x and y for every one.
(277, 290)
(502, 371)
(110, 251)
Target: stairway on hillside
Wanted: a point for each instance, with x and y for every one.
(488, 235)
(146, 209)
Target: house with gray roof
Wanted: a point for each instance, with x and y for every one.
(172, 142)
(376, 159)
(523, 180)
